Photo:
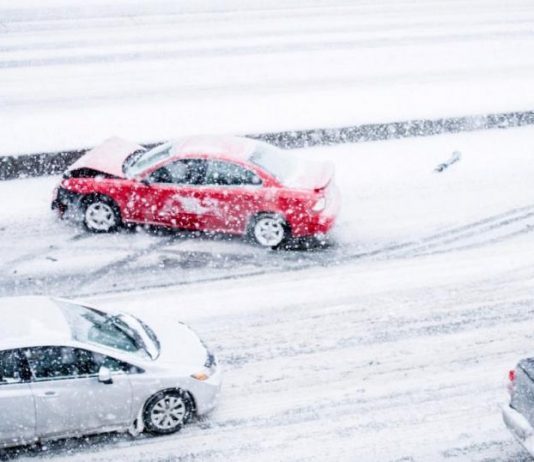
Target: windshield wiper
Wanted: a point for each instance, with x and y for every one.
(143, 334)
(130, 332)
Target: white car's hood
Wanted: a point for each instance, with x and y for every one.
(179, 344)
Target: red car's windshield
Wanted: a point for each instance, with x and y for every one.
(139, 163)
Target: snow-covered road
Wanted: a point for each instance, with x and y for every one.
(380, 361)
(392, 345)
(73, 76)
(394, 206)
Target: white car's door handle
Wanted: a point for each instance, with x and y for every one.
(48, 394)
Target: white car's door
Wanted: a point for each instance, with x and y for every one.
(17, 409)
(69, 398)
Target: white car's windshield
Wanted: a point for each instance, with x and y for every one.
(273, 160)
(143, 160)
(146, 334)
(123, 332)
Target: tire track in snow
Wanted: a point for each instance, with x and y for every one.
(264, 50)
(66, 42)
(176, 266)
(34, 254)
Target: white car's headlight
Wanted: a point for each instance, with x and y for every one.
(202, 375)
(209, 367)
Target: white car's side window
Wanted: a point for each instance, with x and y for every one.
(55, 363)
(10, 367)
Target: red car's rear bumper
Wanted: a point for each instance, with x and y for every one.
(321, 222)
(318, 224)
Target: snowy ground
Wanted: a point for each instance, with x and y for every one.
(74, 75)
(394, 204)
(393, 345)
(388, 361)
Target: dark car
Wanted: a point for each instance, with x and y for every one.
(519, 414)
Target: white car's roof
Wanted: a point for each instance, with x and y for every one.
(32, 321)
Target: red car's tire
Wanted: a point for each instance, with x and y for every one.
(100, 214)
(269, 230)
(167, 412)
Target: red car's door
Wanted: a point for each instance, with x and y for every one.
(230, 194)
(167, 197)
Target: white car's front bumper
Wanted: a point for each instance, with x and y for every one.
(207, 392)
(520, 428)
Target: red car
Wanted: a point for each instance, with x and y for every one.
(205, 183)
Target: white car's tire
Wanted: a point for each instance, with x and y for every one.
(100, 214)
(269, 230)
(167, 412)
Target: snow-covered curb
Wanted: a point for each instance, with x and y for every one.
(47, 163)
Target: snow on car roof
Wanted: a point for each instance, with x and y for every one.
(232, 146)
(31, 321)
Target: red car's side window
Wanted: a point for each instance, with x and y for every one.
(229, 174)
(185, 171)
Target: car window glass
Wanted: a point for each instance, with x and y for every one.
(51, 362)
(187, 171)
(113, 364)
(141, 161)
(10, 367)
(93, 326)
(282, 166)
(66, 362)
(228, 173)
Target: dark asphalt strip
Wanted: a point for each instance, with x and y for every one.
(48, 163)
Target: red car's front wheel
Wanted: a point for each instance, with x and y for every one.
(101, 214)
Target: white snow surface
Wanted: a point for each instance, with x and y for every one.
(400, 356)
(73, 74)
(392, 345)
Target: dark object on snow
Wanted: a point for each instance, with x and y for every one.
(519, 414)
(456, 156)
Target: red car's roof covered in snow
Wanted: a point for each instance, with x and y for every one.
(228, 146)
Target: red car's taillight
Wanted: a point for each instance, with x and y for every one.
(511, 375)
(511, 384)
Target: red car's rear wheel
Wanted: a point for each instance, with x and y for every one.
(269, 230)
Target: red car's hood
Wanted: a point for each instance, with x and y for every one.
(312, 175)
(108, 157)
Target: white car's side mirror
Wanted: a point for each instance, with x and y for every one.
(104, 376)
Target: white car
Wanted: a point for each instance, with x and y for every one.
(67, 369)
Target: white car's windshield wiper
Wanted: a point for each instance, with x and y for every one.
(130, 332)
(142, 334)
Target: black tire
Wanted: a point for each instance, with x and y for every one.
(269, 230)
(100, 214)
(158, 415)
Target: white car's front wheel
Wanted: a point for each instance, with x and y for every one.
(167, 412)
